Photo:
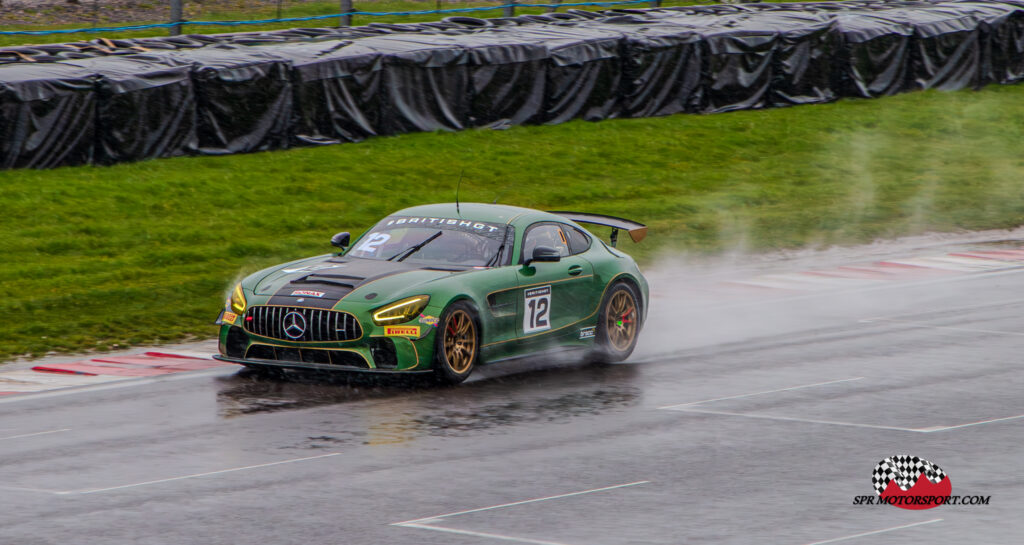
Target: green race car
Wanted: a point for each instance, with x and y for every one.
(441, 289)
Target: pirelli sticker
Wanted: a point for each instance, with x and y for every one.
(402, 331)
(229, 318)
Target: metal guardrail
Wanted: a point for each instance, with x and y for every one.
(344, 16)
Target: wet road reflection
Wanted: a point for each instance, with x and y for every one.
(383, 412)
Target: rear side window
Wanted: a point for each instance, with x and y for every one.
(579, 242)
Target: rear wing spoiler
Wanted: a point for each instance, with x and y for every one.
(637, 231)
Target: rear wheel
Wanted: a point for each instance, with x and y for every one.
(458, 343)
(618, 324)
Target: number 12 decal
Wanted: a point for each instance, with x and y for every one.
(373, 240)
(536, 312)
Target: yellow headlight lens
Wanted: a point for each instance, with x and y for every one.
(236, 303)
(401, 311)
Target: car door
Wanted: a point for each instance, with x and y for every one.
(553, 295)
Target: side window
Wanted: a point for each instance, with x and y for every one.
(579, 242)
(545, 234)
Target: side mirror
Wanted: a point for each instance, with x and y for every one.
(341, 239)
(544, 254)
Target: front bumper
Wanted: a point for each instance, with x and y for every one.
(318, 366)
(377, 349)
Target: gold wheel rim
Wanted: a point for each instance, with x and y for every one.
(621, 320)
(460, 341)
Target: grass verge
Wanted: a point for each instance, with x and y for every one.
(137, 253)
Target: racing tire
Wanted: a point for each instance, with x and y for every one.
(618, 324)
(457, 343)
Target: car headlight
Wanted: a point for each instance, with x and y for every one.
(236, 303)
(400, 311)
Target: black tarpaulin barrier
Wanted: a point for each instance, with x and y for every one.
(47, 115)
(661, 70)
(425, 83)
(584, 71)
(945, 48)
(739, 57)
(805, 70)
(507, 76)
(145, 108)
(1002, 30)
(337, 90)
(874, 54)
(243, 98)
(119, 100)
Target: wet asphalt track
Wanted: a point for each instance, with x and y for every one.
(752, 420)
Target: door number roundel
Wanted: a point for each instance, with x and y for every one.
(537, 309)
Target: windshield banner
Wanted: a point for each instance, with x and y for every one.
(477, 227)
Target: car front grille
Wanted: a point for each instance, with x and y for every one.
(301, 324)
(306, 355)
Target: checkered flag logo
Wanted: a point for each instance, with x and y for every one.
(905, 470)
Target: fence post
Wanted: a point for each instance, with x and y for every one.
(655, 3)
(553, 9)
(176, 15)
(509, 10)
(346, 13)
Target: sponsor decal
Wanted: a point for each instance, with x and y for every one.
(429, 320)
(402, 331)
(229, 318)
(910, 482)
(449, 222)
(536, 316)
(309, 293)
(588, 332)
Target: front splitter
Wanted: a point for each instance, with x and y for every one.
(319, 366)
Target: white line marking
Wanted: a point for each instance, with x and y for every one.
(34, 434)
(969, 424)
(931, 429)
(953, 310)
(808, 420)
(894, 285)
(581, 492)
(426, 523)
(930, 326)
(24, 489)
(477, 534)
(122, 383)
(96, 490)
(760, 393)
(844, 538)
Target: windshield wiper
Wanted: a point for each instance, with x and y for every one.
(497, 255)
(413, 249)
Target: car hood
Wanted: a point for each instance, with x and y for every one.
(322, 282)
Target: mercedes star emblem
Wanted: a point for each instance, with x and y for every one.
(294, 324)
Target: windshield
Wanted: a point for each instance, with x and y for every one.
(446, 241)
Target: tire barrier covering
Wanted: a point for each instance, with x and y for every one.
(47, 115)
(108, 101)
(145, 108)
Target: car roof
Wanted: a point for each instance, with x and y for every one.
(494, 213)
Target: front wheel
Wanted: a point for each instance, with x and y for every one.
(457, 345)
(618, 324)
